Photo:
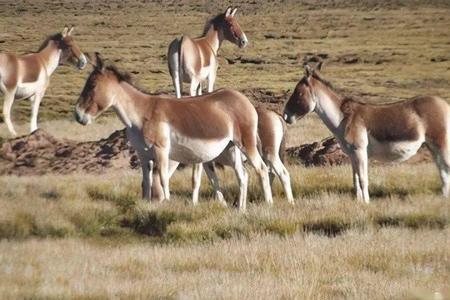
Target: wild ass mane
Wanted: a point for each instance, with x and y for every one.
(214, 21)
(53, 37)
(126, 77)
(316, 76)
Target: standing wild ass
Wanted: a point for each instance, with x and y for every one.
(162, 129)
(28, 76)
(271, 133)
(193, 60)
(390, 132)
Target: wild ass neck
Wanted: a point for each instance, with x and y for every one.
(131, 104)
(328, 106)
(49, 57)
(214, 39)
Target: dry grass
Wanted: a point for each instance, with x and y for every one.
(84, 236)
(353, 266)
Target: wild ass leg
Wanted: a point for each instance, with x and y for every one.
(147, 178)
(361, 163)
(162, 166)
(356, 185)
(197, 169)
(242, 177)
(35, 103)
(261, 169)
(441, 157)
(281, 171)
(211, 81)
(199, 89)
(157, 190)
(194, 87)
(7, 104)
(212, 176)
(196, 181)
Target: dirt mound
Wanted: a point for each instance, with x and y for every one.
(323, 153)
(40, 153)
(328, 153)
(269, 99)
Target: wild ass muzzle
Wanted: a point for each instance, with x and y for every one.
(193, 60)
(28, 76)
(162, 129)
(389, 132)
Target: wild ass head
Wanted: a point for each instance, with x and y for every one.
(70, 52)
(98, 93)
(228, 27)
(303, 99)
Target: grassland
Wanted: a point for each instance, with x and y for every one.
(84, 236)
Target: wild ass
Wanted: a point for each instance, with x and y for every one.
(28, 76)
(162, 129)
(193, 60)
(390, 132)
(271, 133)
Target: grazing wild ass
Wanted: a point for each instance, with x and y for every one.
(28, 76)
(390, 132)
(163, 129)
(193, 60)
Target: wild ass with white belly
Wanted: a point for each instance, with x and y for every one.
(271, 133)
(28, 76)
(193, 60)
(162, 129)
(390, 132)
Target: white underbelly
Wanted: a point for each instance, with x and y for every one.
(26, 90)
(204, 72)
(191, 150)
(393, 151)
(203, 75)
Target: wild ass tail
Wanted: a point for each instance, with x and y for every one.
(174, 60)
(282, 150)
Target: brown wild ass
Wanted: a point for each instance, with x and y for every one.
(390, 132)
(193, 60)
(271, 132)
(163, 129)
(28, 76)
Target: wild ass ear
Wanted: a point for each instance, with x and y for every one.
(308, 70)
(228, 12)
(233, 12)
(65, 30)
(319, 65)
(71, 30)
(98, 62)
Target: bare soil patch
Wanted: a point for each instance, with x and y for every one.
(40, 153)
